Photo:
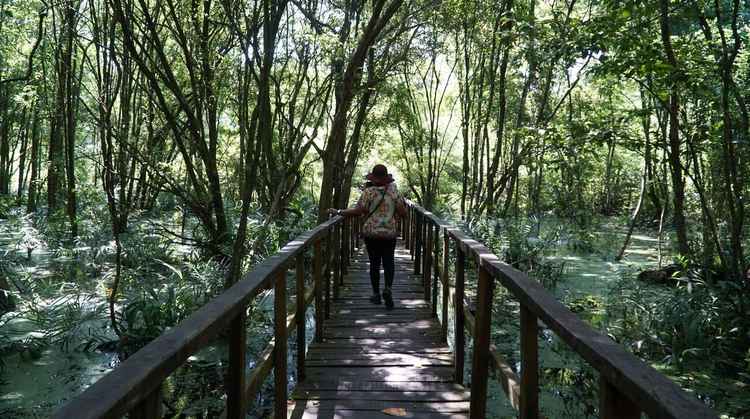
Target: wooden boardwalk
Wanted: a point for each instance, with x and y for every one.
(376, 363)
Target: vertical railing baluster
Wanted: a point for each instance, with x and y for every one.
(344, 248)
(236, 403)
(414, 232)
(615, 405)
(318, 284)
(480, 360)
(418, 243)
(301, 341)
(459, 347)
(150, 407)
(280, 346)
(407, 231)
(357, 231)
(436, 267)
(529, 365)
(327, 275)
(427, 258)
(445, 281)
(336, 259)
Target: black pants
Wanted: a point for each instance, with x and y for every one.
(381, 250)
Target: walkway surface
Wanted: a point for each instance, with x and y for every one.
(375, 363)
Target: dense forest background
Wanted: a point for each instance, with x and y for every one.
(151, 151)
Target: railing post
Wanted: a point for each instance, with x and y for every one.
(336, 260)
(412, 232)
(436, 267)
(427, 265)
(318, 284)
(236, 402)
(280, 346)
(459, 347)
(417, 243)
(345, 240)
(328, 274)
(301, 341)
(358, 233)
(613, 404)
(480, 362)
(529, 365)
(150, 407)
(407, 230)
(445, 280)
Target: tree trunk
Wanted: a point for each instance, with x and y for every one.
(678, 182)
(31, 203)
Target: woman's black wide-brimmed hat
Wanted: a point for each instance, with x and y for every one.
(379, 175)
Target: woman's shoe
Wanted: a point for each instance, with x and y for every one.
(375, 299)
(388, 298)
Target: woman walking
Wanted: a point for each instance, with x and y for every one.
(379, 204)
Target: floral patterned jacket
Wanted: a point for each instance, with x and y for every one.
(382, 222)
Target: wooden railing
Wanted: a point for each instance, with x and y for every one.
(627, 385)
(135, 387)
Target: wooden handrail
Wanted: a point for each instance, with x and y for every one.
(628, 385)
(135, 386)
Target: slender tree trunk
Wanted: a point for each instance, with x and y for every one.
(678, 182)
(31, 203)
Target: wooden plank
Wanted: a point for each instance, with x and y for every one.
(380, 323)
(424, 396)
(394, 362)
(302, 412)
(236, 406)
(385, 359)
(376, 386)
(381, 405)
(385, 374)
(280, 349)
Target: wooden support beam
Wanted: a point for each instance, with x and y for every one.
(148, 408)
(236, 402)
(418, 244)
(318, 284)
(301, 308)
(328, 274)
(445, 281)
(529, 365)
(336, 261)
(427, 265)
(345, 241)
(459, 345)
(436, 267)
(280, 348)
(481, 358)
(615, 405)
